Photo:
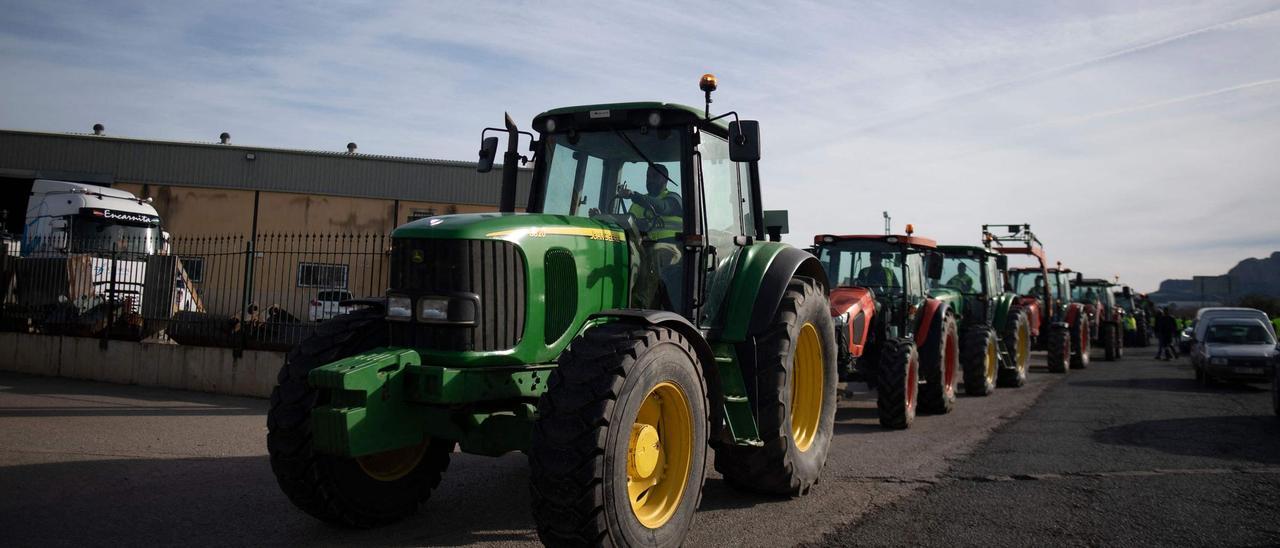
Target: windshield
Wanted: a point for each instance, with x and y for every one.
(99, 236)
(863, 264)
(1238, 333)
(963, 274)
(1027, 282)
(585, 171)
(1088, 294)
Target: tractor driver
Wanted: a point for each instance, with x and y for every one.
(961, 280)
(661, 215)
(876, 274)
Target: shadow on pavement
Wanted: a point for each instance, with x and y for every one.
(233, 501)
(1246, 438)
(1173, 384)
(60, 397)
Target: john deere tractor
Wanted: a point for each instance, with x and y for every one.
(1105, 316)
(891, 334)
(631, 318)
(995, 341)
(1044, 296)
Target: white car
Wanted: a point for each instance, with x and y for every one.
(327, 304)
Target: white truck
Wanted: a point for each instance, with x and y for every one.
(93, 255)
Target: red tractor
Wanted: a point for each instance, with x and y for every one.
(889, 332)
(1106, 317)
(1044, 294)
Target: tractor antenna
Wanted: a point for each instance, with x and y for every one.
(888, 228)
(708, 84)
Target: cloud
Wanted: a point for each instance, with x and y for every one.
(1133, 136)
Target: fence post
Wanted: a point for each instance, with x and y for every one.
(111, 304)
(243, 321)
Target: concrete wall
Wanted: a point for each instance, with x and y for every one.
(195, 368)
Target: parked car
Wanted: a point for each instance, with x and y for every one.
(1275, 390)
(1205, 314)
(327, 304)
(1233, 348)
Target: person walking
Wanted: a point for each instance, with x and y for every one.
(1166, 328)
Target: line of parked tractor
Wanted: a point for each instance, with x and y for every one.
(917, 321)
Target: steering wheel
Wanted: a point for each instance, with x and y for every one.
(650, 217)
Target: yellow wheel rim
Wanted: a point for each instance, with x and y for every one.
(807, 380)
(659, 454)
(991, 359)
(394, 464)
(1024, 345)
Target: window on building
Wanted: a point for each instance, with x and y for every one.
(416, 213)
(194, 267)
(322, 275)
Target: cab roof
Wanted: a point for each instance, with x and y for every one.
(613, 112)
(966, 250)
(897, 239)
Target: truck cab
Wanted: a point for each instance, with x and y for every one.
(65, 217)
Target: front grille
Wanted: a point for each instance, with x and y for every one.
(492, 269)
(1247, 362)
(562, 292)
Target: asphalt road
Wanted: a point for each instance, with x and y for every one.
(1129, 453)
(85, 463)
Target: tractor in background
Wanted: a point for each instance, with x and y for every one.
(1137, 325)
(631, 318)
(890, 333)
(995, 338)
(1107, 318)
(1039, 295)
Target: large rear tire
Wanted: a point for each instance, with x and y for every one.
(1058, 343)
(619, 449)
(354, 492)
(940, 367)
(796, 381)
(981, 359)
(1079, 331)
(899, 384)
(1017, 342)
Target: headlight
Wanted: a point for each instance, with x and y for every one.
(1217, 361)
(399, 309)
(433, 309)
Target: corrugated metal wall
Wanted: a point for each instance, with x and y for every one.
(111, 159)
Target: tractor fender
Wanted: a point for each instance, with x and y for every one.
(681, 325)
(932, 313)
(860, 305)
(764, 270)
(1001, 313)
(1074, 310)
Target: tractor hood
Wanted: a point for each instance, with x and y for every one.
(509, 226)
(953, 298)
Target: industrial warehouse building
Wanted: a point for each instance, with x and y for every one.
(317, 220)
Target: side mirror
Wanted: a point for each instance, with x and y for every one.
(744, 141)
(1128, 293)
(776, 224)
(488, 150)
(1079, 277)
(1002, 262)
(935, 266)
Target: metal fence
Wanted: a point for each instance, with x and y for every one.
(267, 292)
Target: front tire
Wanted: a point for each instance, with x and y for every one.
(940, 362)
(1058, 343)
(796, 381)
(1018, 342)
(1080, 342)
(1111, 342)
(898, 384)
(619, 449)
(353, 492)
(981, 358)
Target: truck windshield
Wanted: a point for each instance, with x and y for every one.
(585, 171)
(848, 265)
(963, 274)
(99, 236)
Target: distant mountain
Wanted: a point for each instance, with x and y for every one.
(1250, 276)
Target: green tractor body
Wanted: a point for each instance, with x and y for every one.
(994, 344)
(1137, 323)
(892, 334)
(635, 307)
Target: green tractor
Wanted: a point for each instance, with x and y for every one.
(612, 335)
(1137, 324)
(890, 332)
(1106, 317)
(995, 341)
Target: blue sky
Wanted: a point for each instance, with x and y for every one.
(1139, 139)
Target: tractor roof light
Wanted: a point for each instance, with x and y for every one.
(708, 82)
(828, 239)
(911, 229)
(551, 125)
(655, 118)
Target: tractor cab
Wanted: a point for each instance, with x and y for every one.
(890, 267)
(971, 279)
